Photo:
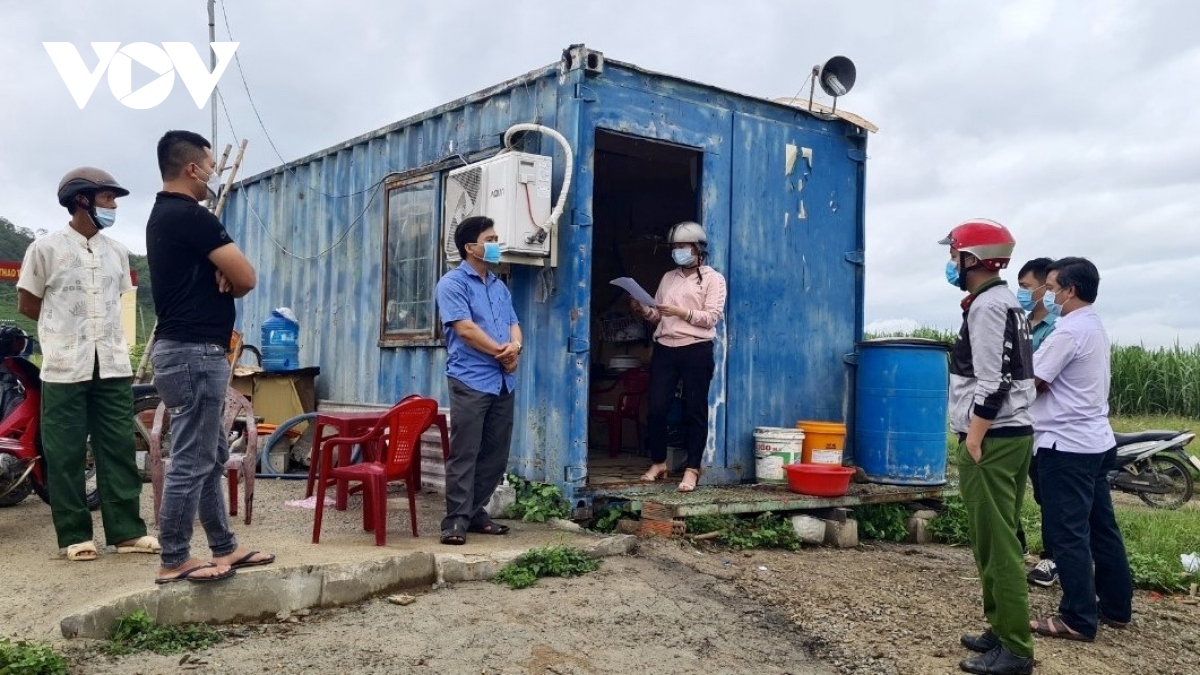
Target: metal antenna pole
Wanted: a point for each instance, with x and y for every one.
(212, 66)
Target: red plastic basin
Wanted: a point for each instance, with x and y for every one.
(819, 480)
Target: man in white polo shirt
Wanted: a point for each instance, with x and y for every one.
(1076, 450)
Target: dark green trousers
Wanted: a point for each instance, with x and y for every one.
(993, 491)
(102, 410)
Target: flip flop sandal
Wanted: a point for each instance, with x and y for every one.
(187, 576)
(454, 536)
(1055, 627)
(490, 528)
(84, 551)
(1113, 623)
(245, 561)
(145, 544)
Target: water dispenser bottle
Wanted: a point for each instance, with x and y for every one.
(281, 341)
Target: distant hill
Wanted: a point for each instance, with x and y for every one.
(13, 242)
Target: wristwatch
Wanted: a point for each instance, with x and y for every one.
(520, 348)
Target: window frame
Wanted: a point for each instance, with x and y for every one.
(432, 336)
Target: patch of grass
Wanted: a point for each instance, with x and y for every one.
(138, 632)
(1164, 381)
(537, 502)
(30, 658)
(767, 530)
(885, 522)
(1154, 540)
(950, 526)
(550, 561)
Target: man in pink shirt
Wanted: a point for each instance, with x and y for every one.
(690, 302)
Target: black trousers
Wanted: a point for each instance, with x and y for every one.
(480, 435)
(1047, 551)
(693, 365)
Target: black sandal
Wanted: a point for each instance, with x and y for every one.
(454, 536)
(489, 528)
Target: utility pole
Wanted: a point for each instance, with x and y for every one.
(212, 66)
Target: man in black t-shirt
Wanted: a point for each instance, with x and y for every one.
(196, 272)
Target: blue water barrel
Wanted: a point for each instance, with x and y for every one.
(280, 343)
(901, 411)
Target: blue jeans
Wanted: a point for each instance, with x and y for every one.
(191, 379)
(1079, 519)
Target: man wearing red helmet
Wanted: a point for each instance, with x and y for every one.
(991, 389)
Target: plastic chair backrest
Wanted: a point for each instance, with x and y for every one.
(635, 382)
(235, 405)
(404, 425)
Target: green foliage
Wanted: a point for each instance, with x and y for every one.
(950, 526)
(549, 561)
(1155, 381)
(610, 516)
(1158, 573)
(885, 522)
(1154, 540)
(537, 502)
(30, 658)
(767, 530)
(138, 632)
(944, 336)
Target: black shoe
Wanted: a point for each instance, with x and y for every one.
(982, 643)
(999, 661)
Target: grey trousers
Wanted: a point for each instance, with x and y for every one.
(480, 434)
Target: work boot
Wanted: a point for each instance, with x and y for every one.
(982, 643)
(999, 661)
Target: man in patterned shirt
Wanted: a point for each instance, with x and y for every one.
(71, 284)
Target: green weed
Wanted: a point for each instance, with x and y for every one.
(885, 522)
(609, 516)
(537, 502)
(550, 561)
(767, 530)
(138, 632)
(30, 658)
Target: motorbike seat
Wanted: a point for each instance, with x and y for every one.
(1146, 436)
(141, 391)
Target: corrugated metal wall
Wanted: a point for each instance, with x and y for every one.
(788, 241)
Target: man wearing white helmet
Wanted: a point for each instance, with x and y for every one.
(691, 301)
(71, 284)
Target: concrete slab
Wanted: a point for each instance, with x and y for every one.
(345, 567)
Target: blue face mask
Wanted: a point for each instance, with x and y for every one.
(952, 273)
(1053, 307)
(491, 252)
(1025, 297)
(683, 256)
(105, 217)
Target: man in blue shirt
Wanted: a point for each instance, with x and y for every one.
(483, 345)
(1031, 281)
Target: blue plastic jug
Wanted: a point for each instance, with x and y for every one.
(280, 343)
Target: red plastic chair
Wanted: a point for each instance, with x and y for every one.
(634, 384)
(396, 439)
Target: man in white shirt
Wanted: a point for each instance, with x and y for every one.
(1076, 450)
(71, 283)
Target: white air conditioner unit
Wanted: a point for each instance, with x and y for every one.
(513, 189)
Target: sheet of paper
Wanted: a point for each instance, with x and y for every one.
(631, 287)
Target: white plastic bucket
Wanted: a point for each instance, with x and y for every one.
(774, 448)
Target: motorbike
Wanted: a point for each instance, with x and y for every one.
(22, 458)
(1154, 466)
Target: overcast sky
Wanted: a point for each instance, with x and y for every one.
(1075, 124)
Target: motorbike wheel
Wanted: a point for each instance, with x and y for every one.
(91, 488)
(143, 420)
(17, 494)
(1170, 468)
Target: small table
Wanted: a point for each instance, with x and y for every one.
(357, 423)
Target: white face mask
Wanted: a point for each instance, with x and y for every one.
(213, 183)
(683, 256)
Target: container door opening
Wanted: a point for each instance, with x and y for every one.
(641, 188)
